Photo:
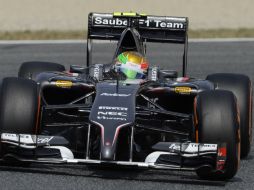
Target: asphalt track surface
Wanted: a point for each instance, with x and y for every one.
(204, 58)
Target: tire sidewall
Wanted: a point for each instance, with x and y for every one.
(217, 122)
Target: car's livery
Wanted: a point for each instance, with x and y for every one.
(93, 115)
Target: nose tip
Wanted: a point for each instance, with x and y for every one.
(107, 153)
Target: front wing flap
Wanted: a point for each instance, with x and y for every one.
(32, 141)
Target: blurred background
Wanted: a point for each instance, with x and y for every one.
(68, 18)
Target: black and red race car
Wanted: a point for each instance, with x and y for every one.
(93, 115)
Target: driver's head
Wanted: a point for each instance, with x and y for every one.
(132, 64)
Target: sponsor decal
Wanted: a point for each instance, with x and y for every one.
(146, 23)
(96, 72)
(115, 94)
(17, 138)
(182, 90)
(112, 108)
(161, 24)
(154, 74)
(174, 147)
(64, 83)
(45, 140)
(112, 113)
(110, 21)
(192, 147)
(111, 118)
(9, 136)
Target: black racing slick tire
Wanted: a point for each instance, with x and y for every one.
(19, 106)
(29, 70)
(217, 121)
(241, 86)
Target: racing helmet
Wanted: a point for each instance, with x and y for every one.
(132, 64)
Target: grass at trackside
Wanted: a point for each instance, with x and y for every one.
(57, 35)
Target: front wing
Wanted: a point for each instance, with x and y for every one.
(167, 155)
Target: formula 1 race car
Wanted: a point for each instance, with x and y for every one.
(95, 114)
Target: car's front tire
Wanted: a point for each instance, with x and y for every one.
(19, 106)
(241, 86)
(217, 121)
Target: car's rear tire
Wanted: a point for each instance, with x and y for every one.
(217, 121)
(29, 70)
(19, 106)
(241, 86)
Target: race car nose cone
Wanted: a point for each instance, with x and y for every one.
(107, 153)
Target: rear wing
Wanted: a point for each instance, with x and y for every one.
(167, 29)
(109, 26)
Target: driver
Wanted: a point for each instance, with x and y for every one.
(132, 64)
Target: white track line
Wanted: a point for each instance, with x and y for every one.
(42, 42)
(27, 42)
(222, 40)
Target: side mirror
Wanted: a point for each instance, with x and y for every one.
(77, 69)
(168, 74)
